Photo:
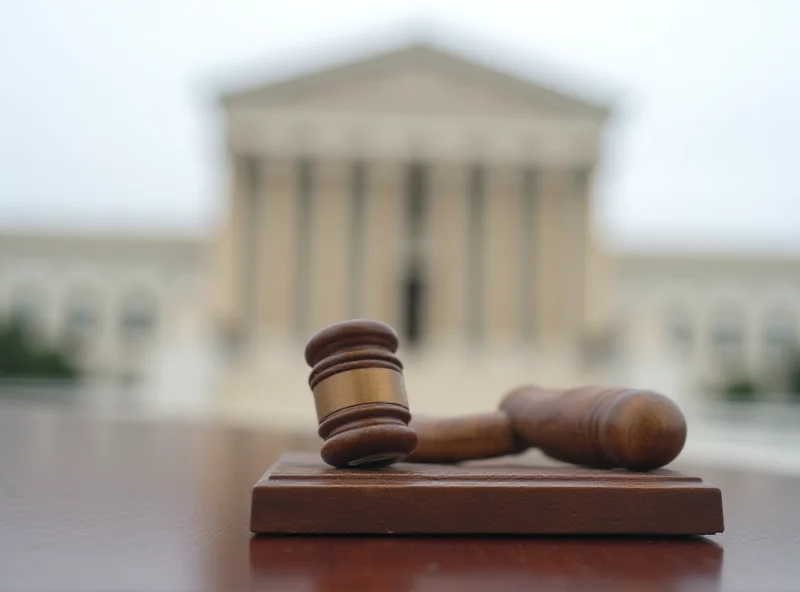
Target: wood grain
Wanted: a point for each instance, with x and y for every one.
(597, 427)
(602, 427)
(468, 437)
(301, 495)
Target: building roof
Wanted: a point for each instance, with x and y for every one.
(650, 260)
(414, 55)
(56, 242)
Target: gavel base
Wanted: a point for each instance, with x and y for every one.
(301, 495)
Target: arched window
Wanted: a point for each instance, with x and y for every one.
(81, 318)
(138, 316)
(679, 331)
(779, 335)
(727, 334)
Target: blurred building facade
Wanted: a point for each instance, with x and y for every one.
(449, 199)
(455, 202)
(716, 318)
(445, 198)
(109, 301)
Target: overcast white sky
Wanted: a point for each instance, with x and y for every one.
(106, 117)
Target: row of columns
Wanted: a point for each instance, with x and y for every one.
(503, 249)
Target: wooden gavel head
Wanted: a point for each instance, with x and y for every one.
(597, 427)
(601, 427)
(359, 394)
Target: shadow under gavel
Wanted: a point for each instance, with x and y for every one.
(597, 427)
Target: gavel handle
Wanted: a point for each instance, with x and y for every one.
(469, 437)
(596, 427)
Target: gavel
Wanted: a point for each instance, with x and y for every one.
(359, 394)
(597, 427)
(364, 416)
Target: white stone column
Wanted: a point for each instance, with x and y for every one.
(501, 254)
(574, 235)
(550, 284)
(528, 253)
(329, 277)
(448, 253)
(278, 227)
(237, 252)
(305, 203)
(477, 185)
(226, 276)
(358, 178)
(599, 272)
(250, 243)
(383, 265)
(259, 196)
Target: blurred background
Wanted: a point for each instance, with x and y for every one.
(562, 194)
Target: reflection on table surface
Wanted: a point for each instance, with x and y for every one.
(413, 563)
(98, 504)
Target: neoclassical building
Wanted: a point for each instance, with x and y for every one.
(109, 300)
(445, 197)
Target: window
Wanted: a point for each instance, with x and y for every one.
(138, 318)
(780, 336)
(81, 320)
(728, 335)
(679, 333)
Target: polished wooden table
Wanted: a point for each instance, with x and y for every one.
(92, 504)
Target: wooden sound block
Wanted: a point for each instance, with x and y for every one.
(300, 494)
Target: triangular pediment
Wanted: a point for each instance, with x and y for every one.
(416, 79)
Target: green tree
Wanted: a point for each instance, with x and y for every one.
(742, 389)
(20, 357)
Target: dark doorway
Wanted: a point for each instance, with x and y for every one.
(414, 307)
